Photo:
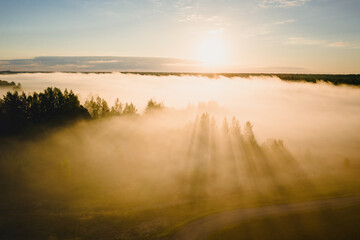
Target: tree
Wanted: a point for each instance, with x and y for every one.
(117, 109)
(129, 109)
(152, 105)
(97, 108)
(249, 132)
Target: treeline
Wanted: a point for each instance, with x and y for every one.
(336, 79)
(13, 85)
(350, 79)
(99, 108)
(23, 112)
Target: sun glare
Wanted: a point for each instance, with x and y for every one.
(212, 51)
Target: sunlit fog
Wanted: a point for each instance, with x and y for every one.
(317, 118)
(177, 147)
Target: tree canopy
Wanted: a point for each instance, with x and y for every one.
(50, 107)
(20, 112)
(153, 105)
(99, 108)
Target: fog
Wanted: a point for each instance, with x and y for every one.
(215, 137)
(317, 118)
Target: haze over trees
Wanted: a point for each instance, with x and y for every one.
(115, 172)
(152, 106)
(99, 108)
(20, 111)
(12, 85)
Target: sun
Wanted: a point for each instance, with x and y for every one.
(212, 51)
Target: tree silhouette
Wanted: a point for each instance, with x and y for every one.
(51, 107)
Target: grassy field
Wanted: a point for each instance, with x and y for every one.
(156, 222)
(340, 223)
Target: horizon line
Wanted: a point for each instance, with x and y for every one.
(3, 72)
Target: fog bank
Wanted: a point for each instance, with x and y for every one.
(320, 118)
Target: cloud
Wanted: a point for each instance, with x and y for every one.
(309, 41)
(265, 29)
(129, 64)
(104, 61)
(282, 3)
(303, 41)
(107, 63)
(284, 22)
(185, 4)
(339, 44)
(280, 69)
(199, 18)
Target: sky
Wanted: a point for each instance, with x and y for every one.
(309, 36)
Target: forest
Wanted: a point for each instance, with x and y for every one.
(21, 113)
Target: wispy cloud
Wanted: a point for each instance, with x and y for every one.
(265, 29)
(282, 3)
(323, 43)
(104, 61)
(339, 44)
(284, 22)
(199, 18)
(97, 64)
(303, 41)
(186, 4)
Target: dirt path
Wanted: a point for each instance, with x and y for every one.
(203, 227)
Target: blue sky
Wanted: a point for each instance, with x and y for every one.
(312, 35)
